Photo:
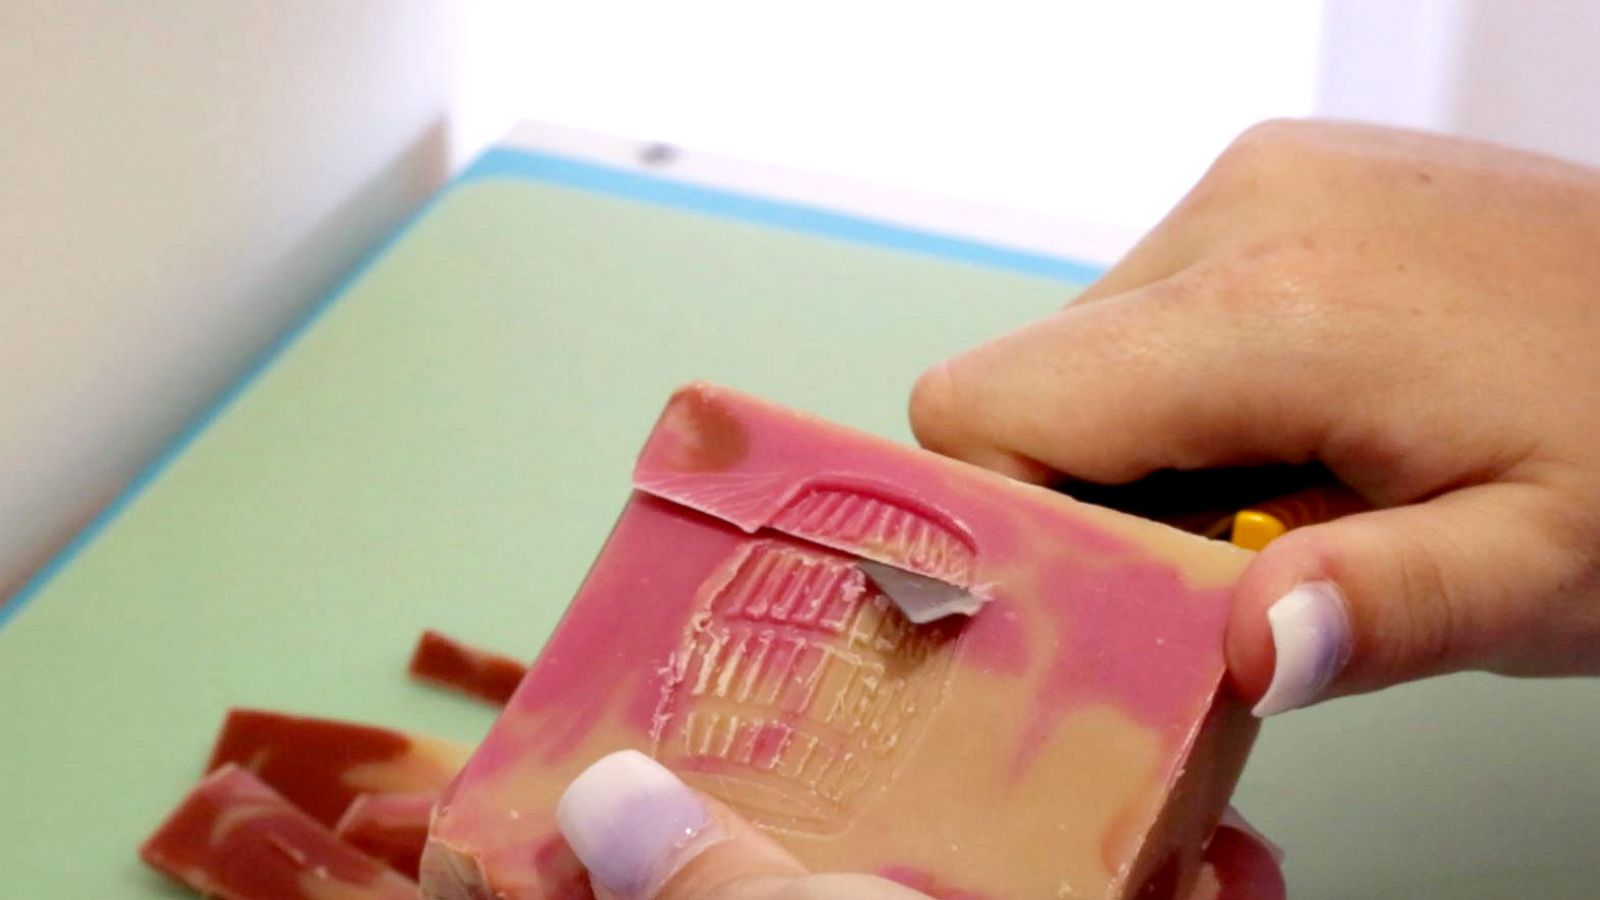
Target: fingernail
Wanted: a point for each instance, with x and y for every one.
(1311, 638)
(633, 823)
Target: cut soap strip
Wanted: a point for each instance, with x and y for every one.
(235, 838)
(447, 662)
(321, 765)
(1077, 730)
(374, 786)
(392, 828)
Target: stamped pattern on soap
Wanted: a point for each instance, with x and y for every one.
(889, 530)
(797, 688)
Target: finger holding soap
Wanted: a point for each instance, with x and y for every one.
(1114, 390)
(634, 825)
(645, 835)
(1466, 580)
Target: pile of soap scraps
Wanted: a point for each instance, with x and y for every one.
(294, 807)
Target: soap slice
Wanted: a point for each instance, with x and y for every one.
(234, 837)
(392, 828)
(1071, 737)
(447, 662)
(321, 765)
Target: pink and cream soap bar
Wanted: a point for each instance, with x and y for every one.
(1066, 733)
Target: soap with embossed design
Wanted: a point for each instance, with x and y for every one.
(1073, 736)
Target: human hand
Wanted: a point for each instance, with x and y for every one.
(644, 835)
(1420, 314)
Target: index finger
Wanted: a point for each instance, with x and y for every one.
(1169, 375)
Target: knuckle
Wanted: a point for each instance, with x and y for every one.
(1414, 631)
(1268, 161)
(1573, 527)
(934, 409)
(1430, 610)
(1570, 530)
(1273, 131)
(1262, 143)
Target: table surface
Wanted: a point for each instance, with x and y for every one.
(446, 446)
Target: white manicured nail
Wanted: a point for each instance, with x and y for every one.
(1311, 637)
(633, 823)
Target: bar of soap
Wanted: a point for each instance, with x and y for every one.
(392, 828)
(1072, 737)
(234, 837)
(321, 765)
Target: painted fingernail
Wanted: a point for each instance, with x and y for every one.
(1311, 638)
(634, 824)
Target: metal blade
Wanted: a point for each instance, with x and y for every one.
(921, 598)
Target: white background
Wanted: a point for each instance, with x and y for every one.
(1104, 111)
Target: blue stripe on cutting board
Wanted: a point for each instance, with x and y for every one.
(509, 163)
(502, 162)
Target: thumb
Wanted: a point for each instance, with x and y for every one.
(1394, 595)
(645, 835)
